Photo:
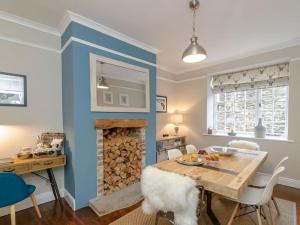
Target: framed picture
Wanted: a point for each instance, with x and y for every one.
(124, 99)
(108, 97)
(12, 90)
(161, 104)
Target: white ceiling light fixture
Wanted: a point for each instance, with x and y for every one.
(194, 52)
(101, 83)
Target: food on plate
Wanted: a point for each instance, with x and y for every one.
(212, 157)
(202, 152)
(193, 157)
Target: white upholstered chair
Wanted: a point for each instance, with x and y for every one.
(244, 145)
(191, 149)
(261, 180)
(174, 153)
(166, 192)
(259, 198)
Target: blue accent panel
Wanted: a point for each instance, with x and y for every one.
(85, 133)
(85, 33)
(68, 117)
(78, 120)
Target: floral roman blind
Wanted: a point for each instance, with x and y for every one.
(262, 77)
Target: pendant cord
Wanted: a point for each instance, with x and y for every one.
(194, 22)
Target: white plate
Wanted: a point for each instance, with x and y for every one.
(199, 162)
(223, 150)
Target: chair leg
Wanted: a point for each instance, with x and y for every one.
(156, 218)
(265, 214)
(13, 215)
(276, 206)
(32, 197)
(271, 214)
(258, 215)
(237, 206)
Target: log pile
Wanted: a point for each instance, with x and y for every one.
(122, 158)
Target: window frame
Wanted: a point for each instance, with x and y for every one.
(251, 134)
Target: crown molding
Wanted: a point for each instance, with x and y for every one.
(71, 16)
(28, 23)
(282, 45)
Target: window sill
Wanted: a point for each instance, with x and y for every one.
(250, 137)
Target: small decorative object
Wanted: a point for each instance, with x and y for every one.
(260, 130)
(165, 135)
(108, 97)
(161, 104)
(176, 119)
(25, 153)
(209, 130)
(49, 145)
(12, 90)
(124, 99)
(231, 133)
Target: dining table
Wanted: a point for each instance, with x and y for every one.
(227, 177)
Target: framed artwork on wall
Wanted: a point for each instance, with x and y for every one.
(124, 99)
(13, 90)
(161, 104)
(108, 97)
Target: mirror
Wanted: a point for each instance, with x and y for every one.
(117, 86)
(12, 90)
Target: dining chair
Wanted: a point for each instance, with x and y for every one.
(259, 198)
(170, 195)
(191, 149)
(249, 145)
(261, 180)
(13, 189)
(174, 153)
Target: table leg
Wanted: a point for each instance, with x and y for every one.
(54, 186)
(209, 210)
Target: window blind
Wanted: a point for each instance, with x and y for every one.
(257, 78)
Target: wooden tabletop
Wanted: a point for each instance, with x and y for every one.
(228, 177)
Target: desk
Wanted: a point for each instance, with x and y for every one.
(229, 177)
(23, 166)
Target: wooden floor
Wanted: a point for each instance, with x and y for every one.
(53, 215)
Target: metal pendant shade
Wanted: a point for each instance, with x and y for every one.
(194, 52)
(101, 82)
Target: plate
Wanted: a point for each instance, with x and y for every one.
(225, 151)
(199, 162)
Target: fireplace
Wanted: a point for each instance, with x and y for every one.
(120, 159)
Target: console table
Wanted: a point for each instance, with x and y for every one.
(23, 166)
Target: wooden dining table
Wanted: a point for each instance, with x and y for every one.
(227, 177)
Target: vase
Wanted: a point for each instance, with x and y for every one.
(260, 130)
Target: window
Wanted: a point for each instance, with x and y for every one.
(241, 98)
(239, 111)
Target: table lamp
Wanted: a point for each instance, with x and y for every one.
(176, 119)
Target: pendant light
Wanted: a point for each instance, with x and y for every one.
(101, 83)
(194, 52)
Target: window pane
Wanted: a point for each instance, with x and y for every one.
(240, 111)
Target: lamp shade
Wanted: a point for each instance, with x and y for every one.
(194, 52)
(177, 118)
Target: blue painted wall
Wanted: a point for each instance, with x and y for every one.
(80, 173)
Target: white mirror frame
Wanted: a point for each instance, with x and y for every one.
(93, 85)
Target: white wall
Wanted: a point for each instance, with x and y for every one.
(191, 97)
(20, 126)
(165, 88)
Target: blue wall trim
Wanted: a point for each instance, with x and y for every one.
(80, 174)
(88, 34)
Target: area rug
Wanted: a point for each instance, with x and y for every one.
(223, 209)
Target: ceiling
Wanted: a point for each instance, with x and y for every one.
(227, 28)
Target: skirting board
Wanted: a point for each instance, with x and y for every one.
(70, 200)
(40, 198)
